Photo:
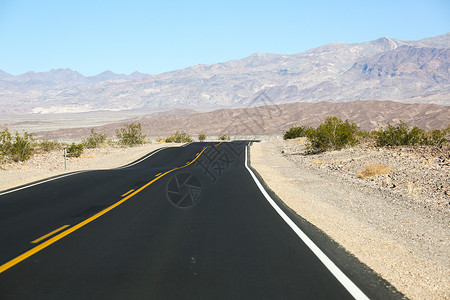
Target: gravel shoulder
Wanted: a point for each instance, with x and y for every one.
(399, 229)
(44, 165)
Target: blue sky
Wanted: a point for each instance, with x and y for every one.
(153, 37)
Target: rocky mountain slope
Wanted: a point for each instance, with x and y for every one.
(274, 119)
(384, 69)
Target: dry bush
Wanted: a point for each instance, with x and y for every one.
(85, 155)
(373, 170)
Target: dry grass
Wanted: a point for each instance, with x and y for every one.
(317, 162)
(373, 170)
(86, 155)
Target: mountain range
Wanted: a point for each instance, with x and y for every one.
(384, 69)
(273, 119)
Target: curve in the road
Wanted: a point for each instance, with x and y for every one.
(65, 233)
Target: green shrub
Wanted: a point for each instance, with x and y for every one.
(202, 136)
(297, 131)
(399, 135)
(446, 130)
(5, 142)
(20, 148)
(435, 137)
(223, 137)
(130, 135)
(364, 134)
(402, 135)
(75, 150)
(94, 140)
(179, 137)
(48, 146)
(333, 134)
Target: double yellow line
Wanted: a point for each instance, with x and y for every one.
(65, 233)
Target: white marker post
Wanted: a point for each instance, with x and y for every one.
(65, 159)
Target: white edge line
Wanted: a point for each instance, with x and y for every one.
(142, 159)
(40, 182)
(340, 276)
(74, 173)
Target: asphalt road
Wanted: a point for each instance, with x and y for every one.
(184, 223)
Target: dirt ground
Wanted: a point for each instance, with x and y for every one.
(399, 238)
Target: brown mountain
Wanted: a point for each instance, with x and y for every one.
(275, 119)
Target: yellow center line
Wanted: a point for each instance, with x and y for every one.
(126, 193)
(56, 238)
(49, 234)
(157, 174)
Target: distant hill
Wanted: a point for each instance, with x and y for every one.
(275, 119)
(384, 69)
(111, 76)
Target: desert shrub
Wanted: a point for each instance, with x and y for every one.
(402, 135)
(202, 136)
(297, 131)
(223, 137)
(47, 145)
(170, 139)
(5, 142)
(19, 148)
(22, 148)
(130, 134)
(364, 134)
(416, 136)
(75, 150)
(365, 137)
(399, 135)
(446, 130)
(333, 134)
(94, 140)
(435, 137)
(179, 137)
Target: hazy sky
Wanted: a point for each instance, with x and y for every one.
(154, 37)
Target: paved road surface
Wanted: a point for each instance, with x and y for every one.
(184, 223)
